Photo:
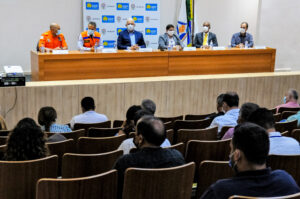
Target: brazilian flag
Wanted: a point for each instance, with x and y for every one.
(190, 19)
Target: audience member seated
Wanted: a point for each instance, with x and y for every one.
(149, 136)
(128, 125)
(249, 152)
(129, 144)
(47, 118)
(220, 111)
(148, 105)
(294, 117)
(280, 145)
(26, 142)
(88, 113)
(245, 112)
(290, 100)
(2, 123)
(230, 106)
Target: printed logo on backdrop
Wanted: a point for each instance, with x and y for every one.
(120, 30)
(92, 5)
(138, 19)
(119, 18)
(109, 43)
(103, 6)
(122, 6)
(103, 31)
(88, 18)
(151, 7)
(108, 19)
(151, 31)
(132, 6)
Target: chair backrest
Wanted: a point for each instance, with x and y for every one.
(171, 119)
(60, 148)
(294, 196)
(190, 124)
(102, 132)
(106, 124)
(296, 134)
(18, 178)
(148, 184)
(170, 135)
(184, 135)
(211, 171)
(75, 135)
(82, 165)
(289, 163)
(198, 151)
(87, 145)
(169, 125)
(4, 132)
(3, 140)
(286, 114)
(102, 186)
(277, 117)
(117, 123)
(223, 131)
(282, 109)
(274, 110)
(2, 151)
(286, 126)
(179, 147)
(197, 117)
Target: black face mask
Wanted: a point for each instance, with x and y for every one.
(232, 164)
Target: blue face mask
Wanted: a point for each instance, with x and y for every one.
(284, 99)
(58, 32)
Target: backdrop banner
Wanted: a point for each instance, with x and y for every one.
(111, 15)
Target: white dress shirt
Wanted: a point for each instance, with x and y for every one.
(88, 117)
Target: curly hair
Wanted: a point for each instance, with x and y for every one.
(26, 141)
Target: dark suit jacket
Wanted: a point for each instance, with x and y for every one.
(124, 39)
(163, 41)
(198, 43)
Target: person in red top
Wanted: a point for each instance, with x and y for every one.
(53, 39)
(90, 39)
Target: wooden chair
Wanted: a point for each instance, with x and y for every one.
(296, 134)
(274, 110)
(4, 132)
(277, 117)
(223, 131)
(286, 126)
(286, 114)
(102, 186)
(282, 109)
(289, 163)
(171, 119)
(86, 127)
(18, 178)
(294, 196)
(59, 149)
(117, 123)
(190, 124)
(165, 183)
(2, 151)
(170, 135)
(179, 147)
(87, 145)
(3, 140)
(211, 171)
(184, 135)
(197, 117)
(102, 132)
(198, 151)
(82, 165)
(169, 125)
(75, 135)
(285, 133)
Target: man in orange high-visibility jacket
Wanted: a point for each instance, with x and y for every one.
(90, 39)
(53, 39)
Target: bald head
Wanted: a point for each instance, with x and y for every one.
(54, 27)
(130, 21)
(206, 23)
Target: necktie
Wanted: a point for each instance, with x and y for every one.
(205, 39)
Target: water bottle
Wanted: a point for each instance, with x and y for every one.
(95, 47)
(169, 48)
(246, 44)
(211, 45)
(42, 49)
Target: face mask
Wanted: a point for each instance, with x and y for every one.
(171, 33)
(284, 99)
(58, 32)
(90, 32)
(243, 30)
(205, 29)
(130, 27)
(232, 163)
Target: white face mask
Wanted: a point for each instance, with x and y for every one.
(90, 32)
(243, 30)
(205, 29)
(130, 27)
(171, 33)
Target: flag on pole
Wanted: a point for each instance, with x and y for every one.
(185, 22)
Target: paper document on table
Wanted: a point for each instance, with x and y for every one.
(189, 49)
(109, 50)
(219, 48)
(60, 52)
(260, 47)
(145, 50)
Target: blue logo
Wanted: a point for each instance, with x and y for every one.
(109, 43)
(151, 7)
(122, 6)
(138, 19)
(120, 30)
(151, 31)
(97, 29)
(92, 5)
(108, 19)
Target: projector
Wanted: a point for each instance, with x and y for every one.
(13, 76)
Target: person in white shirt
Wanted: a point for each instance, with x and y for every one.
(88, 113)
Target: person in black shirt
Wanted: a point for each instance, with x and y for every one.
(150, 134)
(249, 152)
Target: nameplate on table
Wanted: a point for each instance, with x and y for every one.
(109, 50)
(219, 48)
(60, 52)
(260, 47)
(189, 49)
(145, 50)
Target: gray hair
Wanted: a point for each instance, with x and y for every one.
(148, 105)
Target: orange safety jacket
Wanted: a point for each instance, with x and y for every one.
(48, 41)
(88, 41)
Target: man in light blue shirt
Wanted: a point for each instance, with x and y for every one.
(279, 145)
(89, 115)
(230, 106)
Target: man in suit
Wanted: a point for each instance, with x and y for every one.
(169, 39)
(130, 37)
(239, 39)
(204, 39)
